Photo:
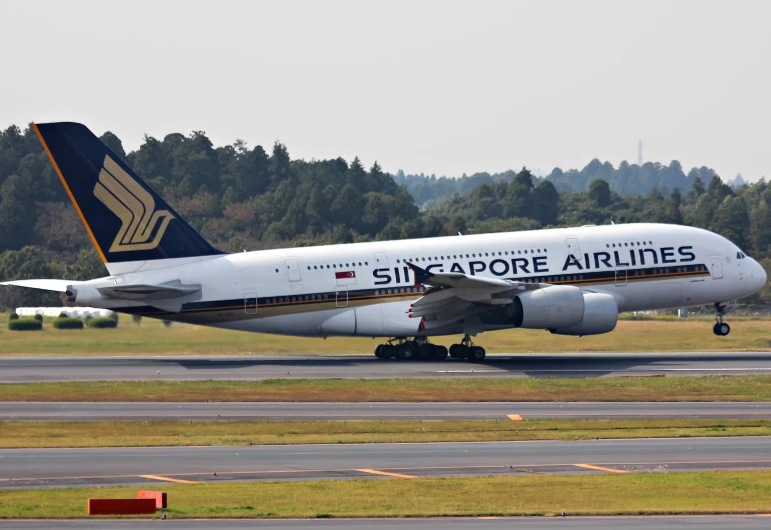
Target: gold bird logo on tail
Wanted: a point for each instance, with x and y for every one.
(134, 206)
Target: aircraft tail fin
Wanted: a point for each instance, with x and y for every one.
(126, 220)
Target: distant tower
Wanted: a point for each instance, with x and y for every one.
(639, 153)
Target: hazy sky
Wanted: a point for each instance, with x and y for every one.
(435, 87)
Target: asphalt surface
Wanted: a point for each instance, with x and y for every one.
(33, 369)
(29, 468)
(743, 522)
(41, 411)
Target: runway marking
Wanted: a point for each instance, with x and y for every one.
(600, 468)
(386, 473)
(514, 417)
(168, 479)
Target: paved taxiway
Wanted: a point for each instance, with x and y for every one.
(743, 522)
(26, 468)
(41, 411)
(31, 369)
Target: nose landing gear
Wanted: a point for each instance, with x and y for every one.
(721, 329)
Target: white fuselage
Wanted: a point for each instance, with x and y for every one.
(366, 288)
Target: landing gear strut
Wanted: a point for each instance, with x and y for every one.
(720, 328)
(467, 350)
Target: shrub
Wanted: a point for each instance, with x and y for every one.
(13, 316)
(167, 323)
(39, 318)
(87, 319)
(25, 324)
(68, 323)
(137, 319)
(63, 315)
(114, 316)
(102, 322)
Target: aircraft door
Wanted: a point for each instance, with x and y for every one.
(620, 278)
(293, 270)
(717, 267)
(250, 303)
(381, 260)
(341, 297)
(573, 248)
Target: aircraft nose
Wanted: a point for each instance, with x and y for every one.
(759, 276)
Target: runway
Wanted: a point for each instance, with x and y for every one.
(743, 522)
(36, 369)
(30, 468)
(67, 411)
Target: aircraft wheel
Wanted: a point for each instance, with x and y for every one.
(388, 351)
(476, 354)
(379, 351)
(406, 351)
(723, 329)
(454, 351)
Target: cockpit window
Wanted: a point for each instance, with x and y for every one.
(740, 255)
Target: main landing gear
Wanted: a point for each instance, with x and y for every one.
(467, 350)
(419, 348)
(411, 349)
(720, 328)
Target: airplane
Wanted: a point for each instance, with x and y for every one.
(569, 281)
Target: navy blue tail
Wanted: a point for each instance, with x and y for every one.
(126, 220)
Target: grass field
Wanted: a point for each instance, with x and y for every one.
(144, 434)
(652, 388)
(655, 493)
(153, 338)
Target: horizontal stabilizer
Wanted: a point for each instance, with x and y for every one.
(168, 296)
(59, 286)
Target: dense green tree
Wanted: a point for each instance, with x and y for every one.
(599, 193)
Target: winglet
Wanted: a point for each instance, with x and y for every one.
(421, 275)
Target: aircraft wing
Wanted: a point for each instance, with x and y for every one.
(455, 296)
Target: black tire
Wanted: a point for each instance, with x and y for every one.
(476, 354)
(723, 329)
(425, 351)
(379, 351)
(388, 351)
(440, 353)
(406, 351)
(454, 351)
(715, 329)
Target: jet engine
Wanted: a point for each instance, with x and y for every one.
(600, 316)
(565, 310)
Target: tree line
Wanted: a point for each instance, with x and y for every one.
(243, 198)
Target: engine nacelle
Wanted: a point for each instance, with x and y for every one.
(559, 306)
(600, 316)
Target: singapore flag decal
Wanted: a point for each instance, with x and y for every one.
(345, 278)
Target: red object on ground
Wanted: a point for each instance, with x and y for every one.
(159, 496)
(121, 506)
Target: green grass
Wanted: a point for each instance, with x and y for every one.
(179, 433)
(704, 388)
(628, 494)
(153, 338)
